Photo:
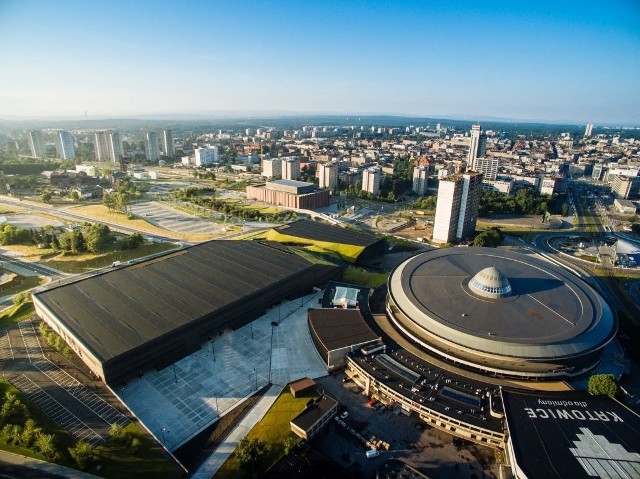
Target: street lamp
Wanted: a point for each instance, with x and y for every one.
(256, 371)
(163, 430)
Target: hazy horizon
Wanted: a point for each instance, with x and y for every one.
(556, 62)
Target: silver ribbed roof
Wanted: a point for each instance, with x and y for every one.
(490, 283)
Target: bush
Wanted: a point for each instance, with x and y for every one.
(603, 384)
(82, 453)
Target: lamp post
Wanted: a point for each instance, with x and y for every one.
(255, 370)
(163, 430)
(175, 376)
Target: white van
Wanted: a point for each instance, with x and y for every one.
(371, 453)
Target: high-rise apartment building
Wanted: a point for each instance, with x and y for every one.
(36, 144)
(588, 130)
(328, 175)
(206, 156)
(151, 149)
(477, 146)
(272, 168)
(290, 168)
(420, 177)
(168, 145)
(108, 146)
(488, 167)
(371, 180)
(457, 207)
(65, 145)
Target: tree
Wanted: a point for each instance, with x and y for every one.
(491, 238)
(116, 432)
(45, 443)
(45, 196)
(250, 453)
(290, 442)
(600, 384)
(72, 241)
(82, 453)
(97, 236)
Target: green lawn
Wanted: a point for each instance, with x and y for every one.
(18, 283)
(272, 430)
(362, 277)
(149, 461)
(15, 314)
(81, 263)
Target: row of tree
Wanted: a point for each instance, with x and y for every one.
(526, 201)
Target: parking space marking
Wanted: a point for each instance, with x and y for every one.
(56, 411)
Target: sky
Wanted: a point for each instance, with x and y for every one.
(528, 60)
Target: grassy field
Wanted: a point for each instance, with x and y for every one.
(362, 277)
(272, 430)
(149, 461)
(81, 263)
(14, 314)
(18, 283)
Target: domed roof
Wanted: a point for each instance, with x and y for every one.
(490, 283)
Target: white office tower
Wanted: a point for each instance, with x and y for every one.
(290, 168)
(488, 167)
(206, 156)
(151, 148)
(65, 145)
(420, 176)
(272, 168)
(371, 180)
(588, 130)
(108, 146)
(328, 175)
(36, 144)
(167, 143)
(457, 207)
(477, 147)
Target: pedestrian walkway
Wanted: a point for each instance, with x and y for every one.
(178, 402)
(215, 461)
(45, 467)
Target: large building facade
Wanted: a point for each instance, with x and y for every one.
(107, 146)
(420, 179)
(290, 194)
(328, 175)
(36, 144)
(477, 146)
(151, 149)
(65, 145)
(500, 313)
(168, 144)
(291, 168)
(371, 180)
(272, 168)
(457, 207)
(155, 312)
(206, 156)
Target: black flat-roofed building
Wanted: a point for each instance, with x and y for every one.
(336, 332)
(315, 231)
(576, 435)
(152, 313)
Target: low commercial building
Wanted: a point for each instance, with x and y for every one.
(336, 332)
(315, 417)
(290, 194)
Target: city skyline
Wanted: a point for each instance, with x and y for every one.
(575, 62)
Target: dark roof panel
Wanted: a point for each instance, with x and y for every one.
(323, 232)
(127, 307)
(338, 328)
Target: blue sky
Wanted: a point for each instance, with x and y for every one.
(557, 61)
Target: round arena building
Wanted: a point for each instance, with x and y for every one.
(500, 312)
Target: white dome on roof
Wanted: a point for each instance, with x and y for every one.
(490, 283)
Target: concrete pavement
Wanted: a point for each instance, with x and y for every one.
(51, 470)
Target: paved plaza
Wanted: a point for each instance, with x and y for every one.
(181, 400)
